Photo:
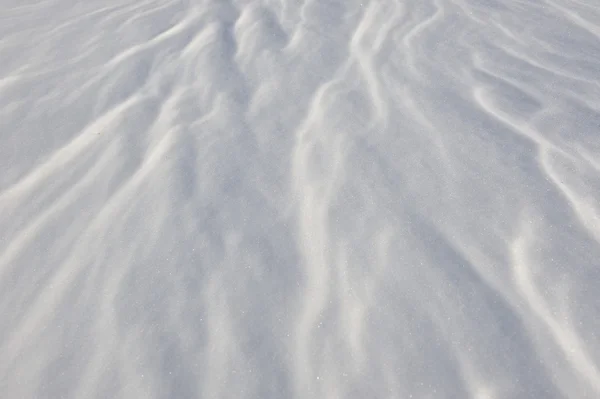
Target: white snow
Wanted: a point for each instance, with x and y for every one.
(300, 199)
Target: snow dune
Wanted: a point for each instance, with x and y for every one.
(300, 199)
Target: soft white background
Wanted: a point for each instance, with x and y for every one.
(300, 199)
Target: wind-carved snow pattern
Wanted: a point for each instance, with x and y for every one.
(300, 199)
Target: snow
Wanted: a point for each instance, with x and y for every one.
(300, 199)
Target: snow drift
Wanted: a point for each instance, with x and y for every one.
(300, 199)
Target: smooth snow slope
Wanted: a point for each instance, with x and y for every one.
(300, 199)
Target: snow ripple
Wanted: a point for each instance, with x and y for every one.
(273, 199)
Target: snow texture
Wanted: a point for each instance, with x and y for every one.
(300, 199)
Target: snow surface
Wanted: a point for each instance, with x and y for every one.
(300, 199)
